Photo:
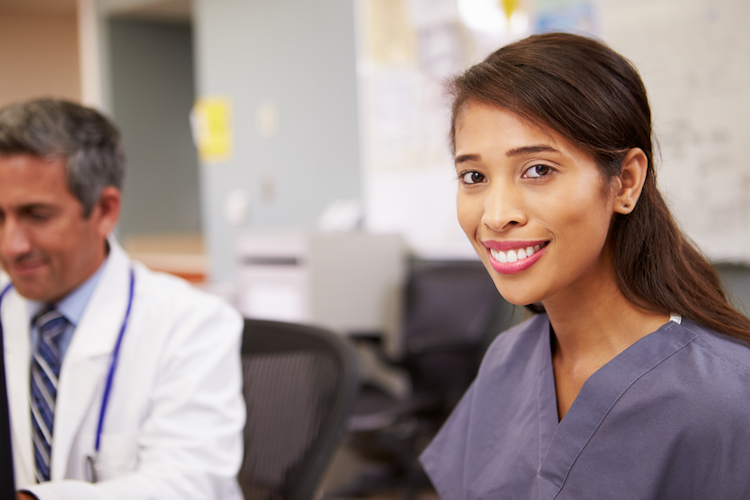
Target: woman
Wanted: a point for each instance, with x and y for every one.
(633, 381)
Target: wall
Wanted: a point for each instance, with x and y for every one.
(38, 56)
(296, 60)
(152, 92)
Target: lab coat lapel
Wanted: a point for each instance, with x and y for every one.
(17, 347)
(88, 357)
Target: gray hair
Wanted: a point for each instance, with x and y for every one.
(54, 128)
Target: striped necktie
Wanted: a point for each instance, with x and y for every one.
(45, 370)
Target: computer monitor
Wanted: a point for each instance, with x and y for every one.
(7, 486)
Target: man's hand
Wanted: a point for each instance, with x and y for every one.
(25, 496)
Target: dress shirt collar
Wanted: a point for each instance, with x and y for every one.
(72, 305)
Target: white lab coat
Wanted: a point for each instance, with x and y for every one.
(173, 425)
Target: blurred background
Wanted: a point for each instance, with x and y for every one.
(292, 155)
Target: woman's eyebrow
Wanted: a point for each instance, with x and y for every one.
(523, 150)
(465, 158)
(526, 150)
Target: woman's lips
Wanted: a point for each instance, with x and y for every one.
(510, 257)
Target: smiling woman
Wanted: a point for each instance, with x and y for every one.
(633, 381)
(517, 182)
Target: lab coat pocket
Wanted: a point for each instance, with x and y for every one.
(118, 454)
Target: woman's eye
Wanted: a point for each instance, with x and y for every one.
(471, 177)
(538, 171)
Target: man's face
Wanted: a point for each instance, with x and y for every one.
(47, 247)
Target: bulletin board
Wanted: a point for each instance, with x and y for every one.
(408, 48)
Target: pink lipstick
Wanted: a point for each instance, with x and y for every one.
(511, 257)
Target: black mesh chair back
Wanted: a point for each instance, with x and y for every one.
(299, 387)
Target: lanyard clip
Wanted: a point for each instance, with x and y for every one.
(91, 468)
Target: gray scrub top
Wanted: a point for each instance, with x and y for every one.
(668, 418)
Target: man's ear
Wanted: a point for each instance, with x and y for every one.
(107, 210)
(630, 181)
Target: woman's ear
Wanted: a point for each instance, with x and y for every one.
(630, 181)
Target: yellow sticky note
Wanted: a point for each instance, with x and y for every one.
(212, 128)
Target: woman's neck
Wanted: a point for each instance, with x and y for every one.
(592, 324)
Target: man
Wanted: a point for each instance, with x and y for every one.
(122, 383)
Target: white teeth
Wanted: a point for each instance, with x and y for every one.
(514, 255)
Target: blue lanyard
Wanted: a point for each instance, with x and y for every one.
(5, 290)
(115, 356)
(113, 363)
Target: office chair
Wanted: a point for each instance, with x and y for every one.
(452, 313)
(299, 387)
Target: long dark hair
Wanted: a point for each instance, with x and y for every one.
(595, 98)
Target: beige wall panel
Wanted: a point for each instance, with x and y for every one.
(38, 57)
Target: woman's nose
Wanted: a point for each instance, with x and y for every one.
(504, 207)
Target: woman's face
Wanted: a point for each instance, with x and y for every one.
(533, 205)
